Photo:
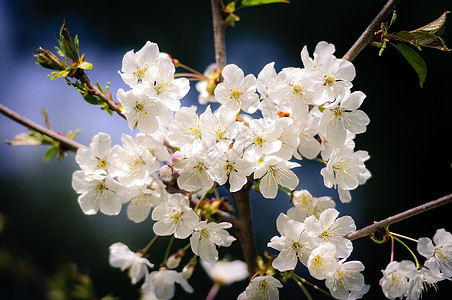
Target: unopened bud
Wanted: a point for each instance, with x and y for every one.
(177, 159)
(173, 261)
(165, 171)
(48, 60)
(189, 268)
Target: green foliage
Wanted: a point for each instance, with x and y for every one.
(230, 8)
(415, 61)
(247, 3)
(425, 36)
(90, 95)
(69, 50)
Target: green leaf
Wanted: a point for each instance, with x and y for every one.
(51, 152)
(85, 65)
(427, 39)
(248, 3)
(436, 27)
(27, 139)
(415, 61)
(67, 46)
(77, 43)
(407, 37)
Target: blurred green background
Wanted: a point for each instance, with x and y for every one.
(42, 229)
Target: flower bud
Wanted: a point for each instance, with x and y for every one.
(48, 60)
(173, 261)
(165, 171)
(177, 159)
(188, 269)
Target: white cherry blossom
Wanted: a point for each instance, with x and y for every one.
(263, 288)
(263, 137)
(322, 262)
(344, 169)
(99, 158)
(233, 166)
(226, 272)
(186, 130)
(138, 165)
(140, 66)
(395, 278)
(441, 250)
(328, 228)
(274, 171)
(206, 236)
(140, 109)
(205, 88)
(345, 116)
(196, 174)
(163, 283)
(174, 217)
(294, 244)
(237, 92)
(97, 193)
(346, 279)
(165, 87)
(143, 198)
(122, 257)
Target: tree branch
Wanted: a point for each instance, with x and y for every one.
(219, 29)
(111, 104)
(65, 142)
(244, 228)
(399, 217)
(366, 37)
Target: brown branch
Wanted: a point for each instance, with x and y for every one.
(366, 37)
(244, 228)
(90, 85)
(65, 142)
(219, 29)
(366, 231)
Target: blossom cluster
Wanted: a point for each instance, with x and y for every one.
(312, 233)
(260, 126)
(407, 279)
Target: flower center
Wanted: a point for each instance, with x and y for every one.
(102, 164)
(140, 74)
(259, 141)
(329, 81)
(235, 94)
(138, 106)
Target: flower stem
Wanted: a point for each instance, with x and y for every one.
(404, 237)
(213, 291)
(409, 250)
(315, 287)
(151, 242)
(167, 252)
(303, 288)
(186, 247)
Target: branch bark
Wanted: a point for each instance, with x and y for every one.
(244, 228)
(66, 143)
(366, 37)
(111, 104)
(366, 231)
(219, 29)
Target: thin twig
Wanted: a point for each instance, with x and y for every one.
(219, 28)
(111, 104)
(366, 37)
(66, 143)
(399, 217)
